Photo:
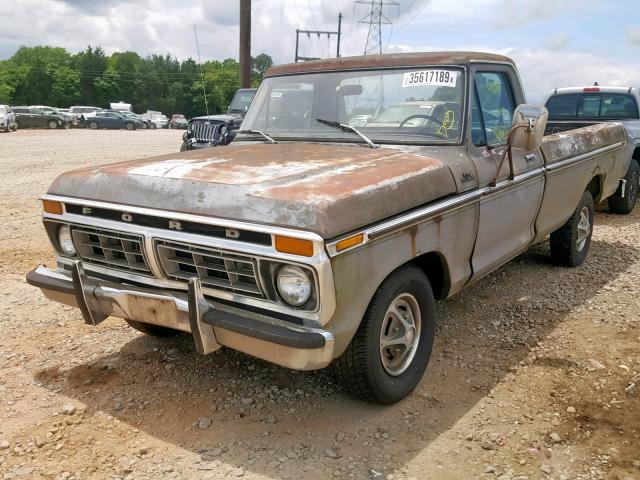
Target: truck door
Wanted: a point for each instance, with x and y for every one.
(508, 210)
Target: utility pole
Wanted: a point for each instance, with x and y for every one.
(375, 19)
(245, 43)
(318, 33)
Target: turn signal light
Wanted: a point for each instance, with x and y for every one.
(296, 246)
(50, 206)
(349, 242)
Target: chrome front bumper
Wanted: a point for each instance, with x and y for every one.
(212, 324)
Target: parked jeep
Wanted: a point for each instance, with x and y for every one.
(213, 130)
(576, 107)
(309, 242)
(7, 119)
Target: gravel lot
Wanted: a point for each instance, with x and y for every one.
(535, 373)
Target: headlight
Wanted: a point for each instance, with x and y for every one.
(294, 285)
(64, 239)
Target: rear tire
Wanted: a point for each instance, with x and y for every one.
(153, 126)
(570, 243)
(93, 125)
(624, 205)
(153, 330)
(389, 353)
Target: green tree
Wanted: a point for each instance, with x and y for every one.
(65, 86)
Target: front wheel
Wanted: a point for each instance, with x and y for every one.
(129, 126)
(153, 330)
(153, 126)
(389, 353)
(570, 243)
(624, 204)
(53, 124)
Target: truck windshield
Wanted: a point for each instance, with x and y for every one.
(592, 106)
(417, 105)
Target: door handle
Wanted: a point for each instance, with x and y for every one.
(530, 157)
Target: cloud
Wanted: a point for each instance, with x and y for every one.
(542, 70)
(557, 42)
(633, 34)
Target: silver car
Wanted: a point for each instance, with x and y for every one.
(7, 119)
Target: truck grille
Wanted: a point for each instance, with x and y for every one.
(121, 251)
(215, 268)
(204, 131)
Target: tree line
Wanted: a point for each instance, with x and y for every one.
(52, 76)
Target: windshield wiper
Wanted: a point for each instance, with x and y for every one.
(348, 129)
(258, 132)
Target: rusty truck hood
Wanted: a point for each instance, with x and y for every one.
(327, 189)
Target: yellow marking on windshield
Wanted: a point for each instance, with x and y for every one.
(447, 123)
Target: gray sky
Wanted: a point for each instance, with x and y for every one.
(555, 42)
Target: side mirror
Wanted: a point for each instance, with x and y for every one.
(529, 122)
(527, 130)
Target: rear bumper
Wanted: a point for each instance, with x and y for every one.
(211, 324)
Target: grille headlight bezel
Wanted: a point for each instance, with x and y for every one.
(66, 242)
(294, 285)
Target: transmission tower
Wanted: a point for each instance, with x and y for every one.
(375, 19)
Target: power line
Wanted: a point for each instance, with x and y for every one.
(375, 19)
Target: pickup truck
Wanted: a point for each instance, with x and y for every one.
(309, 242)
(577, 107)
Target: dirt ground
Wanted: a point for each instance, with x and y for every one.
(535, 373)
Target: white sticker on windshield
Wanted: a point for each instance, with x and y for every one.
(440, 78)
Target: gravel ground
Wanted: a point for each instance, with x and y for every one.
(535, 372)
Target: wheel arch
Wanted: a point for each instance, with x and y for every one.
(435, 267)
(596, 187)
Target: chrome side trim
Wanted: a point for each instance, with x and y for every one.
(562, 164)
(444, 207)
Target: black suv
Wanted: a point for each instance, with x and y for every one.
(213, 130)
(29, 117)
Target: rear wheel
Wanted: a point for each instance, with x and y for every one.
(53, 124)
(15, 126)
(153, 330)
(93, 125)
(153, 126)
(570, 243)
(389, 353)
(624, 205)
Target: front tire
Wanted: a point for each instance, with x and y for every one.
(153, 330)
(389, 353)
(129, 126)
(624, 205)
(570, 243)
(53, 124)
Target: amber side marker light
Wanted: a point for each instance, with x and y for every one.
(50, 206)
(349, 242)
(296, 246)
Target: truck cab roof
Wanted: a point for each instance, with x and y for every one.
(389, 60)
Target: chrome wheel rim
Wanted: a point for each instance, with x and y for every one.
(584, 229)
(400, 334)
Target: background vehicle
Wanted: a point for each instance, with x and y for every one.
(180, 124)
(120, 106)
(68, 118)
(576, 107)
(112, 120)
(213, 130)
(307, 243)
(81, 112)
(28, 117)
(175, 117)
(160, 121)
(146, 123)
(7, 119)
